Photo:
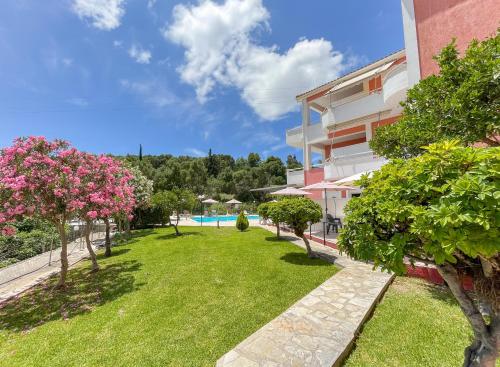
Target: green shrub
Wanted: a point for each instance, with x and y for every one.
(32, 238)
(242, 222)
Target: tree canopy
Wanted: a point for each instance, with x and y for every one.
(462, 103)
(298, 213)
(441, 207)
(215, 174)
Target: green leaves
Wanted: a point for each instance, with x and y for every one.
(461, 103)
(434, 206)
(297, 212)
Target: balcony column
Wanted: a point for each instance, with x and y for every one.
(306, 121)
(368, 131)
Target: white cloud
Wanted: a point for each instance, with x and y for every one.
(195, 152)
(104, 14)
(139, 54)
(152, 92)
(67, 61)
(221, 49)
(151, 3)
(117, 43)
(77, 101)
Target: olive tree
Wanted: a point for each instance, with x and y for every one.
(272, 211)
(462, 103)
(441, 208)
(298, 213)
(168, 203)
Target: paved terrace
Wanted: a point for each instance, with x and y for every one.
(318, 330)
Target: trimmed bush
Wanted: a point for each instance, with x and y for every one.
(242, 222)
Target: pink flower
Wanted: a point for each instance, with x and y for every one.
(8, 231)
(92, 214)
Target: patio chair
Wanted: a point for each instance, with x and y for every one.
(333, 223)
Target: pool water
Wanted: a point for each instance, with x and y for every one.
(221, 218)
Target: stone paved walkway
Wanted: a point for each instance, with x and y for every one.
(21, 276)
(318, 330)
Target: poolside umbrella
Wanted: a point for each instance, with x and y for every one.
(349, 181)
(327, 186)
(233, 202)
(209, 201)
(291, 191)
(206, 201)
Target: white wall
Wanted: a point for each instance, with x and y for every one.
(411, 42)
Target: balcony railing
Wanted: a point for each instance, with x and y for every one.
(294, 131)
(351, 160)
(295, 177)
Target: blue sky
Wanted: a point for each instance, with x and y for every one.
(178, 78)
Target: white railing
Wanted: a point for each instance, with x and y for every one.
(295, 177)
(294, 131)
(343, 165)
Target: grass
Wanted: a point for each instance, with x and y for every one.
(160, 300)
(416, 324)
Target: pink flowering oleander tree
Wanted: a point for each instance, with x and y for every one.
(41, 178)
(107, 193)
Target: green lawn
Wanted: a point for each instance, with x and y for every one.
(161, 300)
(416, 324)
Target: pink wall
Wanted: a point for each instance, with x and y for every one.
(438, 21)
(314, 175)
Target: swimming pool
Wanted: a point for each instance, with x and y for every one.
(221, 218)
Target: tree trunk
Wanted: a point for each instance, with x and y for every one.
(127, 227)
(107, 239)
(485, 348)
(64, 256)
(95, 265)
(176, 226)
(278, 230)
(310, 253)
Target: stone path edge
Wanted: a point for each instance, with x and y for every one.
(224, 361)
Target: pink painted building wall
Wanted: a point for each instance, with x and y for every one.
(438, 21)
(312, 176)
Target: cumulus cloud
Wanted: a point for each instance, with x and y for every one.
(221, 48)
(153, 92)
(195, 152)
(103, 14)
(139, 54)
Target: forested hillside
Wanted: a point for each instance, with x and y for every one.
(217, 175)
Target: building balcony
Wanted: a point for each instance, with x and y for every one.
(393, 91)
(295, 177)
(351, 109)
(351, 160)
(395, 85)
(294, 137)
(315, 133)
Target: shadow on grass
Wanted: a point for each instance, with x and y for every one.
(281, 239)
(135, 236)
(84, 292)
(302, 259)
(114, 252)
(182, 234)
(440, 292)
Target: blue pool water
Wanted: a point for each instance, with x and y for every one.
(221, 218)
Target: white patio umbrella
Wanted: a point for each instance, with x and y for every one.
(233, 201)
(209, 201)
(327, 186)
(290, 191)
(206, 201)
(349, 181)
